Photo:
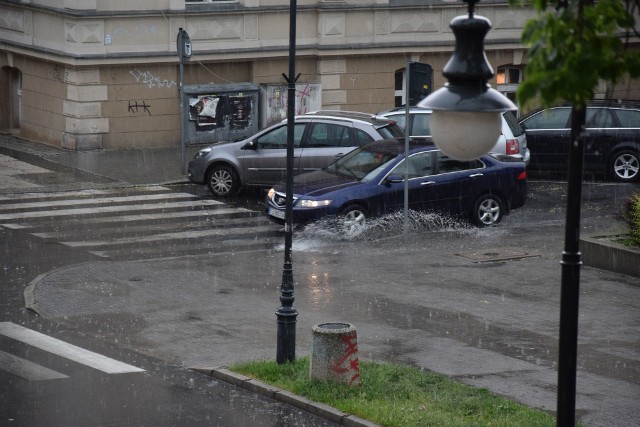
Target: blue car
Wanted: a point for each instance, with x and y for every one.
(369, 182)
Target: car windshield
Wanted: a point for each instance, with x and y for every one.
(363, 164)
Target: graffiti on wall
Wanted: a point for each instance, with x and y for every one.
(308, 98)
(147, 78)
(213, 111)
(139, 107)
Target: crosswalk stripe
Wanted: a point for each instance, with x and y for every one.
(78, 193)
(142, 217)
(104, 209)
(170, 236)
(26, 369)
(94, 201)
(64, 349)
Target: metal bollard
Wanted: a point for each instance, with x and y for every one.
(334, 354)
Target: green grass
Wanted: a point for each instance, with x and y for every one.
(397, 395)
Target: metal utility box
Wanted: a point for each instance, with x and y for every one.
(220, 112)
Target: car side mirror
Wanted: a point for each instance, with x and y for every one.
(251, 145)
(394, 179)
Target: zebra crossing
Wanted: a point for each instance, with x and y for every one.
(31, 371)
(143, 222)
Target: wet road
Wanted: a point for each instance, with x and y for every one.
(478, 305)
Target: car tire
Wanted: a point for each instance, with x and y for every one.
(223, 181)
(487, 210)
(353, 219)
(625, 166)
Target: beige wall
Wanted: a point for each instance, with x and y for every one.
(141, 106)
(43, 95)
(109, 78)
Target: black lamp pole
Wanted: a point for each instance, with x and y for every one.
(286, 314)
(570, 287)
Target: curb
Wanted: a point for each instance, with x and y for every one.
(283, 396)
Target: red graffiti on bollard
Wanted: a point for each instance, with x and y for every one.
(351, 349)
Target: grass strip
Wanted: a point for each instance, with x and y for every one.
(398, 395)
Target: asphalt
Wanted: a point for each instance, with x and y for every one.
(480, 306)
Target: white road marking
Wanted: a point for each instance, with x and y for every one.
(26, 369)
(104, 209)
(169, 236)
(63, 349)
(78, 193)
(95, 201)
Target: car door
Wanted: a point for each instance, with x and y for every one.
(266, 162)
(327, 141)
(422, 193)
(456, 183)
(548, 134)
(600, 137)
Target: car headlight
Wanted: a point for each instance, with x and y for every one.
(271, 193)
(202, 153)
(313, 203)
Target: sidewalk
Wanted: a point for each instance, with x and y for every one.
(59, 169)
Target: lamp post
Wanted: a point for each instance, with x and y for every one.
(287, 314)
(464, 126)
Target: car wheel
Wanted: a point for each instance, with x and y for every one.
(223, 181)
(487, 210)
(353, 219)
(625, 166)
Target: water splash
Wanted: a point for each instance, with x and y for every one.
(389, 225)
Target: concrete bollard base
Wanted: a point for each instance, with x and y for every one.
(334, 353)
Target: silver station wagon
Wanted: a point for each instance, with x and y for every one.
(261, 160)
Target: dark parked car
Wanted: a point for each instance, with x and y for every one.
(369, 181)
(612, 139)
(261, 160)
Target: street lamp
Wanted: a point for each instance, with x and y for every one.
(287, 314)
(466, 112)
(465, 124)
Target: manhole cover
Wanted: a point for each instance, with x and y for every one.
(493, 255)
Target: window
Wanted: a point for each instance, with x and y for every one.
(277, 138)
(446, 164)
(599, 118)
(329, 135)
(509, 75)
(419, 165)
(629, 118)
(555, 118)
(420, 125)
(361, 137)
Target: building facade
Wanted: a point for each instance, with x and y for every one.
(87, 74)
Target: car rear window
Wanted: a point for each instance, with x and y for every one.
(391, 130)
(515, 127)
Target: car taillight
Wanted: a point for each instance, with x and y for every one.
(522, 176)
(512, 146)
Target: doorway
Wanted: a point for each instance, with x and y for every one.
(10, 98)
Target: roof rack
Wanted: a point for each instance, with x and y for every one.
(620, 103)
(345, 113)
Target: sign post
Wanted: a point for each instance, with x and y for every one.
(184, 54)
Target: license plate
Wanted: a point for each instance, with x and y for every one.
(276, 213)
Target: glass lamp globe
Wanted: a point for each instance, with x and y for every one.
(465, 135)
